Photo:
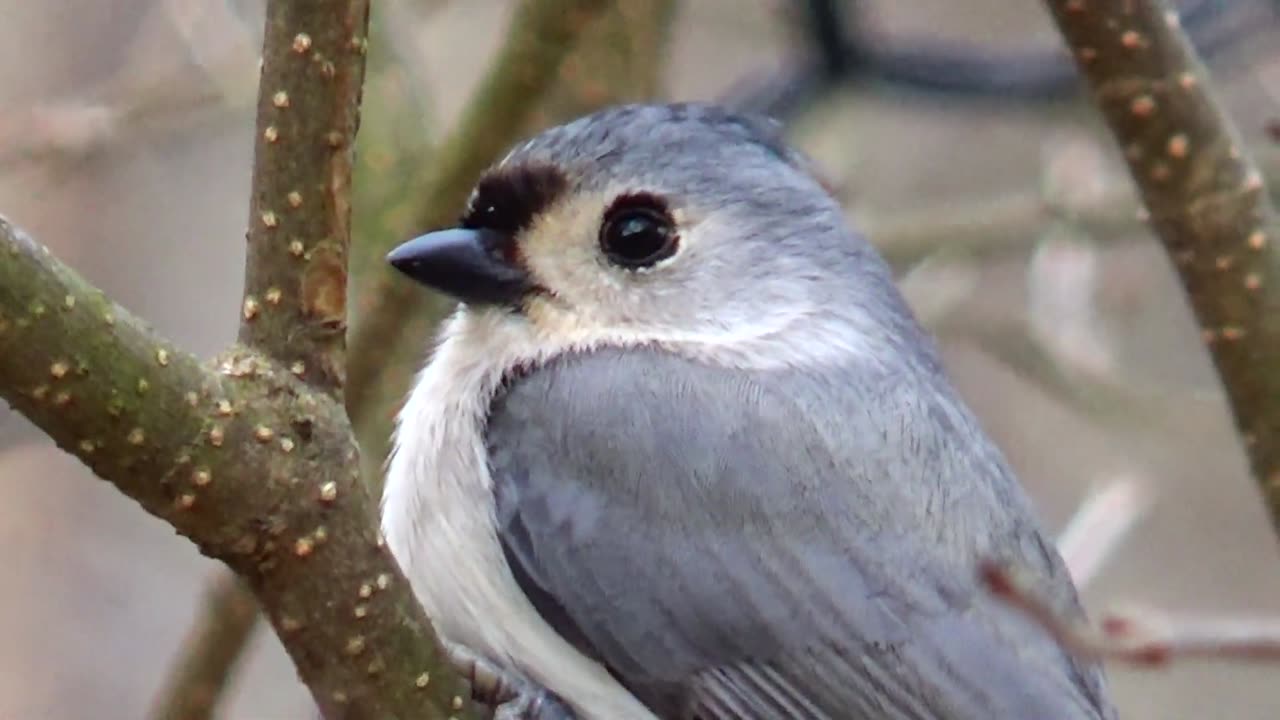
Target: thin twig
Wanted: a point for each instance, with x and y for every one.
(1144, 638)
(1138, 637)
(210, 654)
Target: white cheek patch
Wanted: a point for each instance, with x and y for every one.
(595, 303)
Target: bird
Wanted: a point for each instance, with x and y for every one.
(683, 452)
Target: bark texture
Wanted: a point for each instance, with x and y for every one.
(1205, 196)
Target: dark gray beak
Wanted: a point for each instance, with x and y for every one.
(470, 265)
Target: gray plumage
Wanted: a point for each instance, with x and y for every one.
(728, 554)
(737, 478)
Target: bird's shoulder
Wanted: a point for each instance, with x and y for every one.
(844, 439)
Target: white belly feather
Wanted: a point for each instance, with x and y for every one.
(438, 521)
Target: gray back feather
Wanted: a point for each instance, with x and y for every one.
(777, 544)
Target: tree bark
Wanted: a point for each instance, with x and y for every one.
(1205, 196)
(252, 457)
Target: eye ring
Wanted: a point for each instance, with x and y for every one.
(637, 232)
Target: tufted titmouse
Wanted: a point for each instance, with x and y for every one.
(683, 452)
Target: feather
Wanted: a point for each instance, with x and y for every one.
(776, 544)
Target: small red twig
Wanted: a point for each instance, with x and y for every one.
(1144, 638)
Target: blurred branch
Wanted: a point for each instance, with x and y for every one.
(1003, 224)
(1206, 199)
(257, 468)
(618, 60)
(846, 49)
(198, 678)
(540, 36)
(395, 318)
(1145, 638)
(931, 66)
(1009, 222)
(151, 91)
(1097, 395)
(394, 146)
(1099, 526)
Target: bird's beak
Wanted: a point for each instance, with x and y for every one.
(469, 265)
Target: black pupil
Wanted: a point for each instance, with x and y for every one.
(638, 237)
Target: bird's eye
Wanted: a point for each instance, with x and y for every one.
(636, 235)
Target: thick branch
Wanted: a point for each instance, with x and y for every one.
(210, 654)
(294, 306)
(246, 461)
(92, 376)
(300, 213)
(295, 274)
(296, 269)
(1205, 196)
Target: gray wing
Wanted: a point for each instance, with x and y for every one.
(776, 545)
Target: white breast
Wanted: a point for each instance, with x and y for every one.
(438, 520)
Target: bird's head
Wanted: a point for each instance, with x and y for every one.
(660, 223)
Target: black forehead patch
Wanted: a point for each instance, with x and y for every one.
(508, 199)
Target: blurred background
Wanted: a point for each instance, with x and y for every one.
(953, 129)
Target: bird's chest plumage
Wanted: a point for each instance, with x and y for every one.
(438, 521)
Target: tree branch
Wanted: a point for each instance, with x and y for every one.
(294, 306)
(1205, 196)
(243, 459)
(225, 623)
(296, 267)
(1208, 205)
(295, 296)
(857, 51)
(254, 466)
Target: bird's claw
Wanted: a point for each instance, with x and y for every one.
(534, 704)
(511, 696)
